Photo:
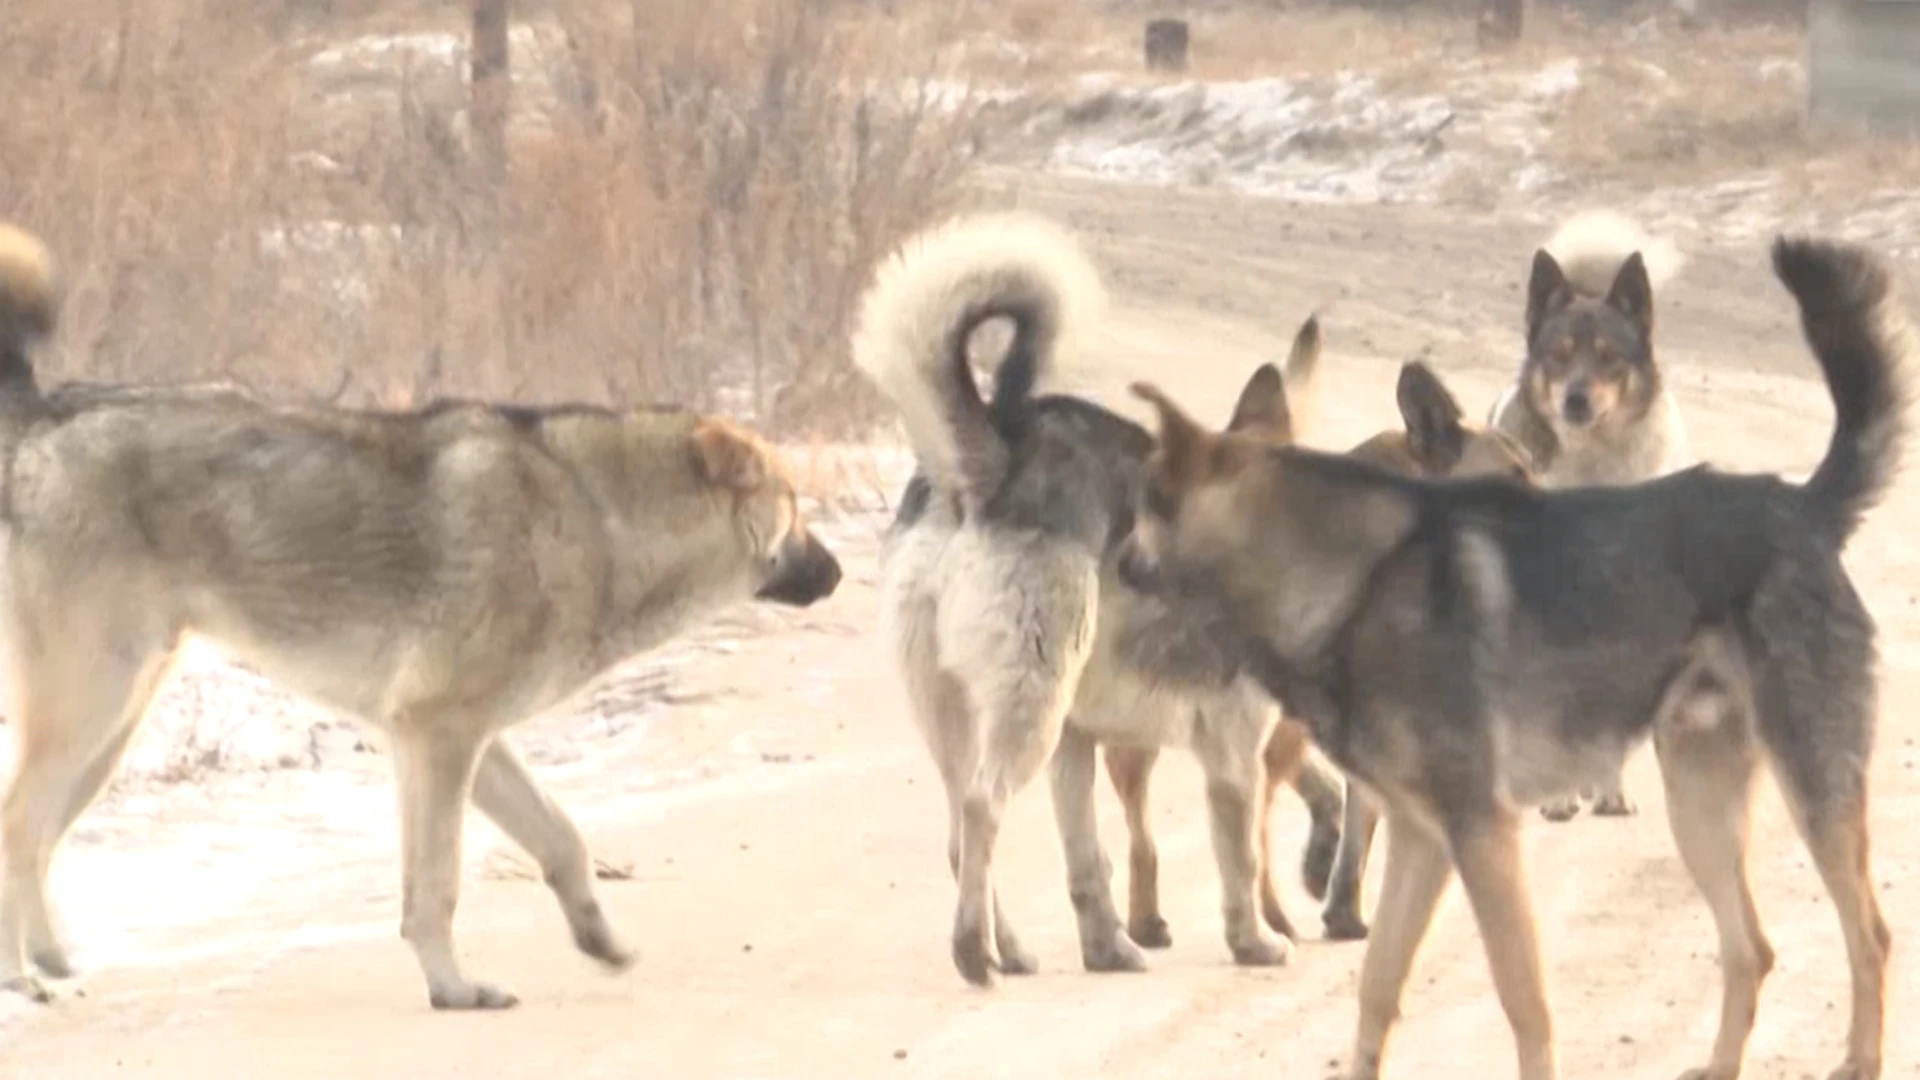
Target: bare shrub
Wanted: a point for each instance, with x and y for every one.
(697, 192)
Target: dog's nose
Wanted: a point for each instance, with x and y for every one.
(829, 576)
(1137, 571)
(1578, 406)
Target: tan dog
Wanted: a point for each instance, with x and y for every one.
(441, 574)
(1437, 440)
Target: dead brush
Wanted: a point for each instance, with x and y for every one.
(691, 222)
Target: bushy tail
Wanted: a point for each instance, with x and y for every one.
(1591, 245)
(925, 303)
(29, 306)
(1856, 329)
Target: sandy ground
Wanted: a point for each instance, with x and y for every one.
(790, 895)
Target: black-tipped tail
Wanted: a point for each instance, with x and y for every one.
(1860, 338)
(29, 305)
(924, 305)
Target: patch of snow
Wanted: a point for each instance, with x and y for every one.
(1783, 68)
(1258, 136)
(390, 53)
(1556, 80)
(1349, 140)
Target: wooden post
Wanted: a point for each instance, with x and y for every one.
(1502, 22)
(1166, 45)
(490, 85)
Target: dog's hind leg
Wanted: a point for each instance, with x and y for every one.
(1231, 744)
(507, 793)
(947, 724)
(1104, 944)
(1131, 769)
(435, 761)
(75, 715)
(1815, 706)
(945, 719)
(1018, 745)
(1838, 839)
(1487, 853)
(1826, 788)
(1708, 769)
(1341, 916)
(1022, 651)
(1416, 877)
(1320, 786)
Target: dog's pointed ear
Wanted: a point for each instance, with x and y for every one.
(1632, 293)
(1262, 409)
(727, 457)
(1186, 449)
(1435, 435)
(1548, 291)
(1303, 361)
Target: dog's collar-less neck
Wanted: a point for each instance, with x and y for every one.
(1313, 688)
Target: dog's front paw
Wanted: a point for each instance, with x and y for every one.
(1563, 809)
(27, 987)
(1856, 1070)
(471, 996)
(1343, 924)
(1614, 804)
(972, 958)
(1116, 952)
(599, 942)
(52, 962)
(1263, 952)
(1015, 960)
(1151, 932)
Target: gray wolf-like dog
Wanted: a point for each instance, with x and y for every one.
(1590, 402)
(1438, 441)
(1466, 649)
(441, 574)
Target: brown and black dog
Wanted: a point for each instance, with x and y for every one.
(1467, 649)
(1437, 441)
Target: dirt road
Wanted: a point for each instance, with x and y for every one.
(792, 902)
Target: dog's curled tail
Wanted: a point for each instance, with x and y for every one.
(917, 317)
(1591, 245)
(29, 304)
(1854, 325)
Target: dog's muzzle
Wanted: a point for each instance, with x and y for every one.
(1138, 570)
(804, 576)
(1577, 405)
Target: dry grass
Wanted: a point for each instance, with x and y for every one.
(1688, 108)
(1682, 109)
(693, 206)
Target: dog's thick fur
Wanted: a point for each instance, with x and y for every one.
(1437, 440)
(1017, 646)
(1590, 402)
(1467, 649)
(441, 574)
